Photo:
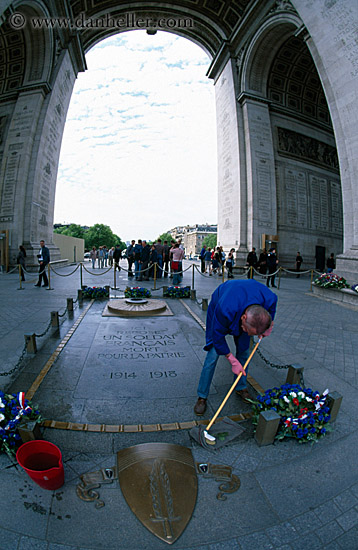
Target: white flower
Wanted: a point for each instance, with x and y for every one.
(2, 417)
(293, 394)
(309, 399)
(301, 394)
(286, 399)
(2, 406)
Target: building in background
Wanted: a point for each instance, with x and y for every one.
(192, 236)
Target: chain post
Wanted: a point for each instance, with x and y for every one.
(79, 295)
(223, 273)
(155, 276)
(30, 342)
(69, 304)
(311, 279)
(54, 319)
(49, 277)
(20, 278)
(114, 276)
(204, 304)
(279, 278)
(81, 275)
(192, 278)
(251, 273)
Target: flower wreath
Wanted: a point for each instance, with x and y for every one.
(177, 292)
(331, 280)
(137, 292)
(13, 408)
(304, 413)
(95, 292)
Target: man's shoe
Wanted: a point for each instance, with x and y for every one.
(45, 286)
(37, 284)
(200, 406)
(244, 394)
(274, 286)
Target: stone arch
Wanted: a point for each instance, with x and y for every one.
(294, 163)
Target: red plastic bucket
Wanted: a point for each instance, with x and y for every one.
(42, 461)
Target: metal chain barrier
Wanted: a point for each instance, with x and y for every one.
(45, 331)
(279, 367)
(97, 274)
(67, 274)
(18, 364)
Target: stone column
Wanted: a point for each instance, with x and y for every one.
(230, 210)
(260, 170)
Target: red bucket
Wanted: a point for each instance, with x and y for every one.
(42, 461)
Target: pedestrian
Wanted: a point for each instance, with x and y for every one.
(263, 262)
(165, 259)
(272, 262)
(202, 258)
(251, 261)
(105, 250)
(44, 260)
(93, 256)
(230, 262)
(130, 257)
(217, 261)
(223, 259)
(177, 255)
(110, 256)
(331, 264)
(299, 261)
(21, 260)
(117, 256)
(208, 264)
(100, 257)
(160, 250)
(144, 271)
(153, 259)
(138, 248)
(242, 309)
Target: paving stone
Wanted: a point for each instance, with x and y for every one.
(29, 543)
(349, 519)
(346, 500)
(348, 541)
(8, 539)
(306, 522)
(329, 532)
(283, 533)
(255, 541)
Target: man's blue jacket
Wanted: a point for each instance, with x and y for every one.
(227, 305)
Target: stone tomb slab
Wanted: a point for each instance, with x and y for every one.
(141, 359)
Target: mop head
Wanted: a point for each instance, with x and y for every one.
(220, 434)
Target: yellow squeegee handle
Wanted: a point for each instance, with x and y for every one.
(233, 386)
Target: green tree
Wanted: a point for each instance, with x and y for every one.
(99, 235)
(72, 230)
(165, 237)
(211, 240)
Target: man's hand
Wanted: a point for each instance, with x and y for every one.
(268, 331)
(236, 366)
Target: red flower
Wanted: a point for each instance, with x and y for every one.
(296, 401)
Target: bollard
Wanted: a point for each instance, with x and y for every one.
(204, 304)
(155, 276)
(20, 277)
(165, 288)
(311, 280)
(49, 277)
(334, 400)
(192, 277)
(192, 294)
(267, 427)
(30, 340)
(54, 319)
(79, 295)
(279, 278)
(294, 374)
(69, 304)
(28, 431)
(108, 288)
(114, 277)
(81, 275)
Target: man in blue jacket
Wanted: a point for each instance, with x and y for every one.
(242, 308)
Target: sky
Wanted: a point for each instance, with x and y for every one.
(139, 146)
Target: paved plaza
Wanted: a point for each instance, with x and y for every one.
(292, 496)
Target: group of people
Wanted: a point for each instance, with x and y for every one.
(159, 259)
(105, 257)
(267, 262)
(213, 260)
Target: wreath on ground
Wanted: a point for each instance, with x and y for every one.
(137, 292)
(331, 280)
(177, 292)
(95, 292)
(304, 412)
(13, 409)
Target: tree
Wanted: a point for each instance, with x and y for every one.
(165, 237)
(72, 230)
(211, 240)
(99, 235)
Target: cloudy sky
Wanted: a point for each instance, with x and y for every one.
(139, 147)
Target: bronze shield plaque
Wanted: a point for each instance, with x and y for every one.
(159, 483)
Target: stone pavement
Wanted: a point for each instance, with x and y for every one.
(292, 496)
